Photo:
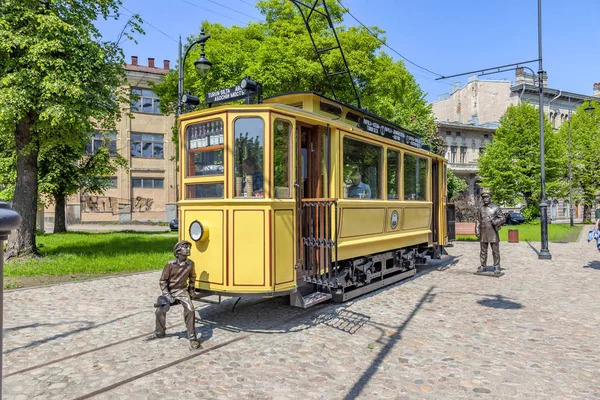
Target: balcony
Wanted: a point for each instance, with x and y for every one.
(463, 167)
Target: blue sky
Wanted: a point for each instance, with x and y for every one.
(446, 37)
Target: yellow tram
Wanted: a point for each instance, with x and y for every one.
(306, 196)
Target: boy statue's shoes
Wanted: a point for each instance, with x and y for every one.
(195, 345)
(153, 337)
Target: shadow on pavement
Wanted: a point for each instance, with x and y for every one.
(499, 301)
(89, 325)
(593, 265)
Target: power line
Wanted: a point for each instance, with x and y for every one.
(385, 44)
(234, 10)
(250, 4)
(147, 22)
(211, 11)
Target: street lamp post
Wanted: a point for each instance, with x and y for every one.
(9, 220)
(544, 253)
(202, 66)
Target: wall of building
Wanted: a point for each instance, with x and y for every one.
(478, 102)
(125, 202)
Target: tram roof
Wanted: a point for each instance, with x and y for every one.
(278, 97)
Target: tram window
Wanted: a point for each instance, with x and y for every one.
(362, 163)
(393, 172)
(281, 161)
(204, 144)
(248, 157)
(350, 116)
(331, 108)
(204, 191)
(415, 177)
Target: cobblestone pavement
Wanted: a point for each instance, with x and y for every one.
(445, 334)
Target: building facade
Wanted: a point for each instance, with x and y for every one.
(463, 143)
(147, 189)
(482, 103)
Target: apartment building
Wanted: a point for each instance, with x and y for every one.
(147, 191)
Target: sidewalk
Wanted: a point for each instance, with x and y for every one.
(445, 334)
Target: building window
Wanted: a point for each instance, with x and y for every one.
(457, 134)
(113, 183)
(485, 136)
(99, 139)
(565, 204)
(144, 101)
(448, 133)
(393, 172)
(446, 152)
(463, 154)
(362, 163)
(147, 145)
(248, 157)
(415, 177)
(282, 130)
(148, 183)
(452, 154)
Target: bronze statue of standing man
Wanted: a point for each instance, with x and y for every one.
(489, 219)
(177, 285)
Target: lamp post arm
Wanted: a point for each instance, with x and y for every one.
(181, 88)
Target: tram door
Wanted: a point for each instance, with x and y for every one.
(313, 183)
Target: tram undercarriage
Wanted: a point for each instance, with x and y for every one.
(352, 278)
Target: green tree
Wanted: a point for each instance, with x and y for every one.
(279, 53)
(66, 169)
(59, 80)
(585, 155)
(510, 165)
(455, 184)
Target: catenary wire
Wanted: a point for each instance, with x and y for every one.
(211, 11)
(385, 44)
(250, 4)
(234, 10)
(147, 22)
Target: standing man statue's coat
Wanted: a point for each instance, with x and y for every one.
(489, 219)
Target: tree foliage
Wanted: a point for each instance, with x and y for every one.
(585, 153)
(59, 80)
(510, 165)
(279, 53)
(455, 184)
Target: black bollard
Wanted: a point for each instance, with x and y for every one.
(9, 220)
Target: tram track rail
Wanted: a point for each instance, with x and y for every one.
(243, 336)
(106, 346)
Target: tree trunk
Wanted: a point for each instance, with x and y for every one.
(587, 213)
(22, 241)
(60, 224)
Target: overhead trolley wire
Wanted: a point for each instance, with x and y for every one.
(211, 11)
(147, 22)
(234, 10)
(384, 43)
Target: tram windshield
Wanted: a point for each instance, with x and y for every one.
(248, 164)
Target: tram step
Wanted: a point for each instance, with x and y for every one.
(297, 300)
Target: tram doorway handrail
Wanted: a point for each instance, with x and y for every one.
(319, 240)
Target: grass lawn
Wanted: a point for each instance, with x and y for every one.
(532, 233)
(83, 255)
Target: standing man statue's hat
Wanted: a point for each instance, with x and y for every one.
(489, 219)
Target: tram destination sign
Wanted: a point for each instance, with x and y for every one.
(225, 95)
(389, 132)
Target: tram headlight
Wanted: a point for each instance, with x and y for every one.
(197, 231)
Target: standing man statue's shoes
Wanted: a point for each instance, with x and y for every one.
(177, 285)
(488, 223)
